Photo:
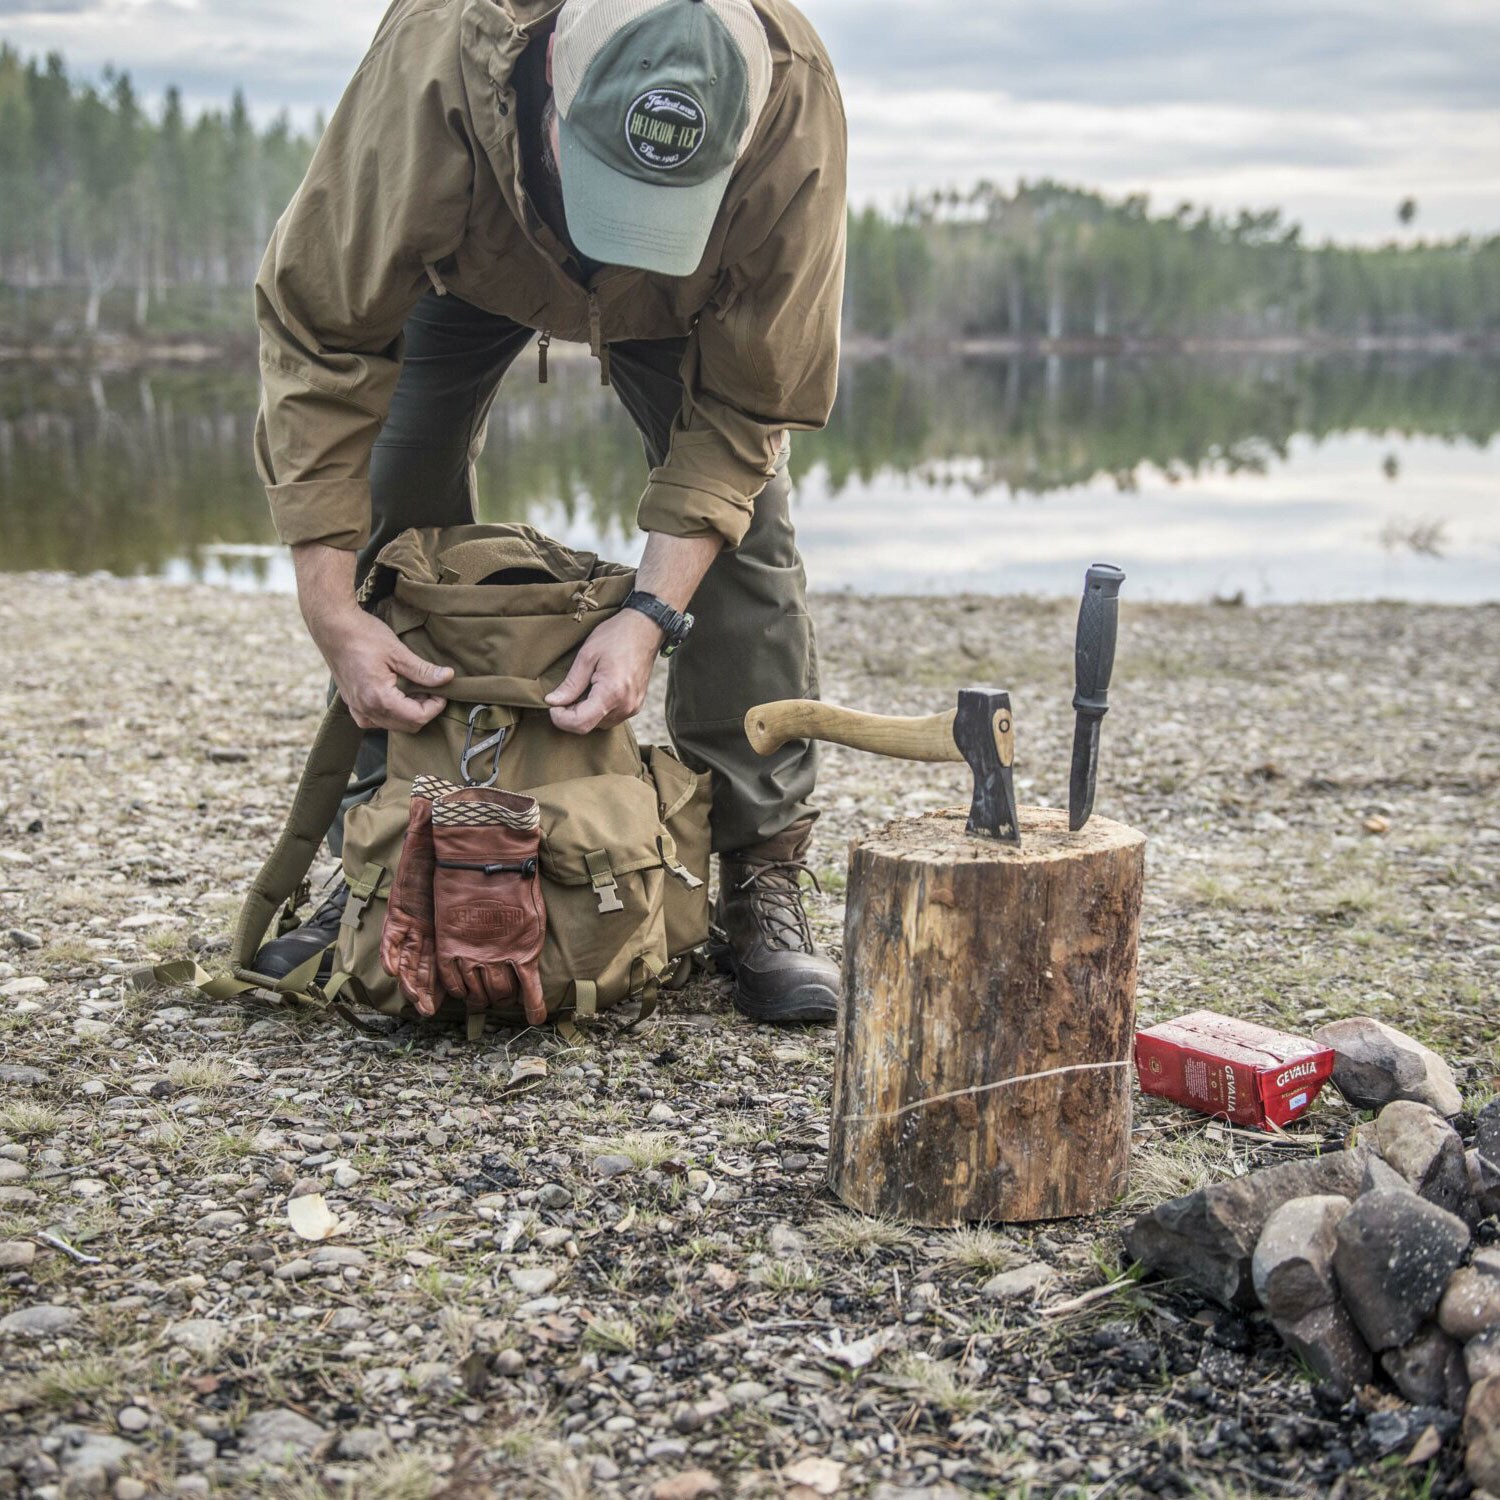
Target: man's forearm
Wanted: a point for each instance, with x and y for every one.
(325, 588)
(673, 566)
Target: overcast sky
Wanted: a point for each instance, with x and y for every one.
(1333, 110)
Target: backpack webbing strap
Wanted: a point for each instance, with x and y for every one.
(325, 778)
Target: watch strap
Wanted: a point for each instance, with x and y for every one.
(673, 624)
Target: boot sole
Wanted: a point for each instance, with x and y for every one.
(809, 1004)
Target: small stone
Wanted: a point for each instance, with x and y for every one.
(363, 1443)
(1382, 1178)
(686, 1418)
(1292, 1267)
(661, 1114)
(132, 1419)
(349, 1320)
(339, 1255)
(345, 1176)
(130, 1489)
(191, 1486)
(783, 1239)
(1427, 1151)
(1471, 1303)
(1028, 1281)
(82, 1451)
(40, 1321)
(20, 1074)
(1374, 1064)
(12, 1171)
(554, 1195)
(746, 1393)
(278, 1435)
(693, 1484)
(611, 1166)
(201, 1336)
(27, 941)
(605, 1470)
(1429, 1371)
(295, 1270)
(1482, 1434)
(532, 1281)
(27, 984)
(509, 1362)
(1394, 1256)
(16, 1255)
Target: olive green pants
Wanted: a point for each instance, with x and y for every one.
(753, 640)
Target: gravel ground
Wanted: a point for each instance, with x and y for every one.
(602, 1279)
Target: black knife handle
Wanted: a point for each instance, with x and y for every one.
(1094, 653)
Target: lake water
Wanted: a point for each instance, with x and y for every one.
(1278, 479)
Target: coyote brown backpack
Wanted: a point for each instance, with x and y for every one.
(624, 829)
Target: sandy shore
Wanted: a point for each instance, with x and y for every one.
(1321, 790)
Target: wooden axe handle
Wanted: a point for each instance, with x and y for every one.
(929, 738)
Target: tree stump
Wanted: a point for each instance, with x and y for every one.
(968, 963)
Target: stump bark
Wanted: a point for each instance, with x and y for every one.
(969, 963)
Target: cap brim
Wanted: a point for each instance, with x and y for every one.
(622, 221)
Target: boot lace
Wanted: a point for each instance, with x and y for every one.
(775, 888)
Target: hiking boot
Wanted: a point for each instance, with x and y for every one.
(767, 944)
(281, 955)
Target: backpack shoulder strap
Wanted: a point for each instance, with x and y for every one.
(325, 778)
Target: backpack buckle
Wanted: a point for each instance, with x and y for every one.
(473, 749)
(602, 878)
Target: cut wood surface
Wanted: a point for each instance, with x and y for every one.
(983, 1067)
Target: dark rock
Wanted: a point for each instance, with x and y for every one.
(1208, 1237)
(1394, 1256)
(1330, 1343)
(1382, 1178)
(21, 1075)
(1484, 1180)
(1482, 1434)
(1427, 1151)
(1375, 1064)
(1487, 1132)
(1390, 1430)
(1429, 1371)
(1292, 1267)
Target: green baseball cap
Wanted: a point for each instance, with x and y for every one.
(656, 100)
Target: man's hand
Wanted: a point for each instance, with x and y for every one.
(363, 653)
(608, 679)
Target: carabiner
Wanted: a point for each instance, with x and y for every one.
(491, 742)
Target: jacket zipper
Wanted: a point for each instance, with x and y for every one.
(543, 344)
(597, 347)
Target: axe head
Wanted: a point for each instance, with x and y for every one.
(984, 732)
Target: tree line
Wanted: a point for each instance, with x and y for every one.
(122, 218)
(103, 197)
(1052, 262)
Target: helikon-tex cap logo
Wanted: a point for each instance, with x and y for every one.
(664, 128)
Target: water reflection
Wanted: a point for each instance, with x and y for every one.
(149, 471)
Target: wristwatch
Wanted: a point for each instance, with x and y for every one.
(673, 625)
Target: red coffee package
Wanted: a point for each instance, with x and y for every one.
(1239, 1071)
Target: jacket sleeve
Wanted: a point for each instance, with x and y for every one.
(763, 356)
(386, 195)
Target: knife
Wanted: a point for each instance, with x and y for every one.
(1094, 658)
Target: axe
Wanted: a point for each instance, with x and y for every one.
(979, 731)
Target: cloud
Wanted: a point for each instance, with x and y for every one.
(1266, 54)
(1334, 112)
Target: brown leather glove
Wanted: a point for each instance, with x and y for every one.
(487, 898)
(408, 942)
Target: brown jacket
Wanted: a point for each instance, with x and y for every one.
(416, 185)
